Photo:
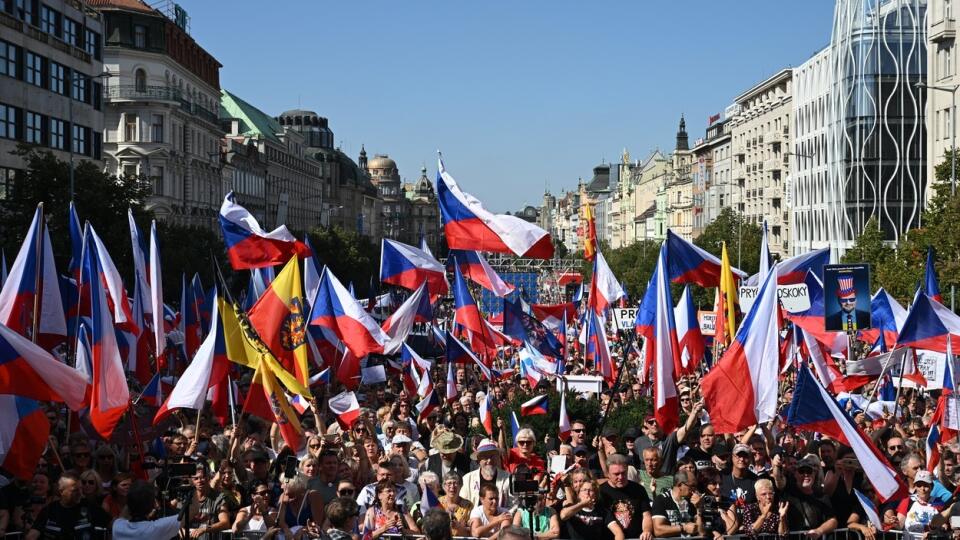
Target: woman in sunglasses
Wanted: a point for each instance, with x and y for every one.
(259, 516)
(91, 487)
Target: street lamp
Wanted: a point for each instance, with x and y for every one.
(953, 152)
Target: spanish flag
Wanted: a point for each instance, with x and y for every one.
(589, 234)
(726, 306)
(267, 400)
(245, 349)
(280, 319)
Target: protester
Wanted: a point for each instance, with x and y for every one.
(585, 519)
(489, 517)
(71, 516)
(385, 516)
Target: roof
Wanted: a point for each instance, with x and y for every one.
(253, 121)
(132, 5)
(648, 213)
(775, 79)
(601, 179)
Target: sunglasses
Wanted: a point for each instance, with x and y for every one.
(314, 446)
(345, 492)
(897, 447)
(262, 493)
(578, 430)
(89, 482)
(81, 454)
(524, 443)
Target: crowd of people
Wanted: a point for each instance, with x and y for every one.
(392, 472)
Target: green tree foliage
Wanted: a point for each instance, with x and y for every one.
(351, 257)
(743, 239)
(188, 250)
(634, 265)
(99, 198)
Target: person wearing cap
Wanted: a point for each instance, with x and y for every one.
(581, 457)
(919, 515)
(738, 484)
(806, 510)
(487, 472)
(721, 457)
(400, 446)
(630, 445)
(913, 464)
(448, 457)
(675, 512)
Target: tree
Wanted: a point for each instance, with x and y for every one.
(743, 239)
(98, 197)
(187, 250)
(634, 265)
(350, 256)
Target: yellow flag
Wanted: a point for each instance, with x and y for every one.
(267, 400)
(245, 350)
(589, 234)
(726, 310)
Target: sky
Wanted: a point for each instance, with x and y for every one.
(519, 96)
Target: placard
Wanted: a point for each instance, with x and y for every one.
(708, 322)
(794, 298)
(625, 317)
(585, 385)
(846, 297)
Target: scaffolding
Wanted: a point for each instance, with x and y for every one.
(548, 272)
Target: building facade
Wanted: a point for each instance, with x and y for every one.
(760, 134)
(424, 211)
(941, 72)
(50, 82)
(161, 120)
(713, 188)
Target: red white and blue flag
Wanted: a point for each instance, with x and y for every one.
(564, 431)
(886, 319)
(689, 337)
(931, 286)
(794, 270)
(814, 409)
(416, 308)
(597, 350)
(406, 266)
(248, 245)
(468, 225)
(605, 289)
(741, 390)
(24, 433)
(336, 309)
(664, 349)
(689, 263)
(156, 294)
(535, 406)
(29, 371)
(486, 415)
(475, 267)
(346, 407)
(928, 325)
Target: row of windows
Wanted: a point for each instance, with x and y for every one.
(54, 23)
(44, 73)
(35, 128)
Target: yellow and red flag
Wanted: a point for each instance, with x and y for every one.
(266, 399)
(727, 301)
(589, 234)
(280, 319)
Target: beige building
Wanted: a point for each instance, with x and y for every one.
(941, 71)
(713, 188)
(678, 184)
(760, 133)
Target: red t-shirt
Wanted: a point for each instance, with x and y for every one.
(515, 459)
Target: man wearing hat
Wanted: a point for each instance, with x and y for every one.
(737, 486)
(488, 471)
(806, 511)
(448, 457)
(848, 318)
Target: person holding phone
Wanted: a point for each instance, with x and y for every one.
(385, 517)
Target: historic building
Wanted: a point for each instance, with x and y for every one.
(50, 77)
(713, 188)
(941, 68)
(424, 210)
(760, 133)
(409, 209)
(161, 116)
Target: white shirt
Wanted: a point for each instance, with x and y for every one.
(160, 529)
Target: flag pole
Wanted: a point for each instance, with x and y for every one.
(37, 272)
(896, 400)
(626, 339)
(231, 401)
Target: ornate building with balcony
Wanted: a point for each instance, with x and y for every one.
(409, 209)
(161, 116)
(50, 67)
(760, 134)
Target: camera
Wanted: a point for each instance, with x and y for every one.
(523, 482)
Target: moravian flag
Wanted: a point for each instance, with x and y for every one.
(267, 400)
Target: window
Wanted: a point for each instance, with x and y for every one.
(34, 124)
(57, 134)
(34, 69)
(79, 139)
(25, 11)
(91, 43)
(8, 122)
(58, 78)
(50, 21)
(81, 87)
(130, 128)
(8, 177)
(8, 59)
(140, 36)
(156, 128)
(140, 79)
(71, 31)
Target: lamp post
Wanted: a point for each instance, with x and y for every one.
(953, 153)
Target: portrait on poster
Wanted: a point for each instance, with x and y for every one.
(846, 297)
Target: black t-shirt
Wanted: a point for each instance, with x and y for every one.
(57, 521)
(676, 514)
(701, 459)
(738, 490)
(589, 525)
(807, 511)
(627, 506)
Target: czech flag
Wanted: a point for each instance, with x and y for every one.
(689, 263)
(597, 348)
(928, 324)
(345, 406)
(116, 293)
(664, 349)
(208, 368)
(76, 243)
(249, 246)
(537, 405)
(476, 268)
(29, 371)
(812, 320)
(931, 287)
(406, 266)
(468, 225)
(451, 383)
(886, 318)
(552, 315)
(814, 409)
(870, 509)
(428, 500)
(794, 270)
(280, 319)
(486, 415)
(528, 330)
(741, 390)
(336, 309)
(689, 337)
(156, 294)
(110, 396)
(19, 292)
(400, 323)
(564, 432)
(605, 289)
(24, 434)
(152, 393)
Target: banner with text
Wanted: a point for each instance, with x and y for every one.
(795, 298)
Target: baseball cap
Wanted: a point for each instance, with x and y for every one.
(581, 450)
(401, 439)
(809, 461)
(741, 448)
(923, 477)
(610, 431)
(631, 433)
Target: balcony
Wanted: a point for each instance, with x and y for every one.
(774, 137)
(199, 111)
(775, 164)
(129, 92)
(739, 151)
(943, 29)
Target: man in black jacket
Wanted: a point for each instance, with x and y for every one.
(448, 457)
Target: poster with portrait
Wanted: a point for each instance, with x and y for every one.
(846, 297)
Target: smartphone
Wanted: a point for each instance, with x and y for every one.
(290, 467)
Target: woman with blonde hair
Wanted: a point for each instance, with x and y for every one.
(91, 487)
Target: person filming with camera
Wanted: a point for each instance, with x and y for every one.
(143, 523)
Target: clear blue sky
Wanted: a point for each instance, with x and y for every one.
(516, 94)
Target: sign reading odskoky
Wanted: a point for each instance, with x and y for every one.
(795, 298)
(846, 297)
